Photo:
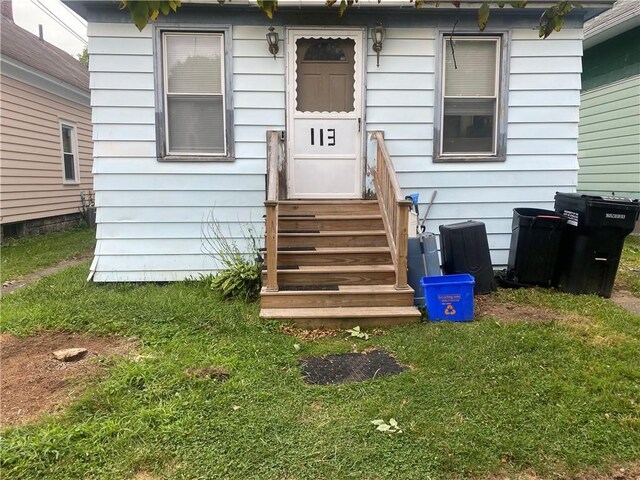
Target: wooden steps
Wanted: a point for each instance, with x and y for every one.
(343, 296)
(343, 317)
(331, 222)
(336, 256)
(334, 268)
(328, 207)
(364, 238)
(337, 275)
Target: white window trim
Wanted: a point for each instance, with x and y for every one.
(161, 83)
(501, 106)
(74, 146)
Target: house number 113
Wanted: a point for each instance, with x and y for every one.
(330, 137)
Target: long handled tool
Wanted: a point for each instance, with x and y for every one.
(421, 228)
(429, 205)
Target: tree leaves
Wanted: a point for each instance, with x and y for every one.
(144, 11)
(356, 332)
(269, 7)
(391, 427)
(483, 16)
(342, 7)
(553, 18)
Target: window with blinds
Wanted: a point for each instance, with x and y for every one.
(194, 94)
(470, 85)
(69, 153)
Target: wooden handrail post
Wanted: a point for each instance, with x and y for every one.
(402, 243)
(274, 159)
(271, 208)
(273, 154)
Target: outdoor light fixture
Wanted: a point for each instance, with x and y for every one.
(272, 40)
(377, 35)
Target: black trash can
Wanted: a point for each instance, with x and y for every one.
(465, 249)
(536, 236)
(593, 241)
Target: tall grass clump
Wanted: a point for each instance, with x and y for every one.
(241, 274)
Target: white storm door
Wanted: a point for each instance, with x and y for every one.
(325, 113)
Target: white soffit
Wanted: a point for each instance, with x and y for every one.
(400, 3)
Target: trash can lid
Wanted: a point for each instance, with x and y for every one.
(603, 200)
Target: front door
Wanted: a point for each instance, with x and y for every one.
(325, 94)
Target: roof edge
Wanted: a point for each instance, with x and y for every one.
(624, 16)
(22, 72)
(82, 7)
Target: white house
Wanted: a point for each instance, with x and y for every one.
(182, 110)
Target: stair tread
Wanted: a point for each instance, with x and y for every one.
(340, 312)
(334, 233)
(343, 290)
(325, 250)
(327, 202)
(337, 268)
(346, 216)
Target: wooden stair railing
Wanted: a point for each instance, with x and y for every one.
(275, 167)
(394, 208)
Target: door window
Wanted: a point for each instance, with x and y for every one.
(325, 75)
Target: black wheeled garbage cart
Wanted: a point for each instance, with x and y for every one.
(593, 241)
(536, 236)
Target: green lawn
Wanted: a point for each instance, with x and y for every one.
(482, 398)
(25, 255)
(628, 276)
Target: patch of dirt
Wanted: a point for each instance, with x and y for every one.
(33, 382)
(626, 300)
(489, 306)
(585, 327)
(508, 312)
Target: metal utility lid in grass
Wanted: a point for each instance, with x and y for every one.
(349, 367)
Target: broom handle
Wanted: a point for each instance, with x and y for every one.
(429, 205)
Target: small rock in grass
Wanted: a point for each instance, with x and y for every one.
(70, 354)
(214, 373)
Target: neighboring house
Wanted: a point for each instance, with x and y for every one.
(609, 139)
(46, 130)
(182, 109)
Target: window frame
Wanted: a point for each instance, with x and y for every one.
(161, 85)
(503, 38)
(74, 147)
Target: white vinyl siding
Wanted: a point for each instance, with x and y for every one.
(151, 214)
(542, 130)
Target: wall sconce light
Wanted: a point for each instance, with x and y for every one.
(272, 40)
(377, 35)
